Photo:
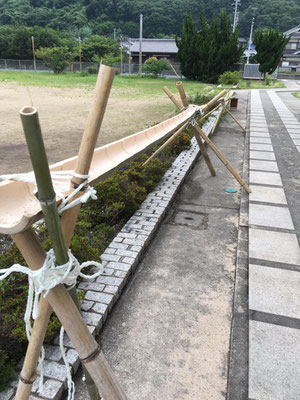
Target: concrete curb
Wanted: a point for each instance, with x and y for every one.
(120, 260)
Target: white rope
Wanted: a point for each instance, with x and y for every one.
(61, 182)
(43, 280)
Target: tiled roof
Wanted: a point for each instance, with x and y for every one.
(166, 46)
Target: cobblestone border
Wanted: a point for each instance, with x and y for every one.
(120, 260)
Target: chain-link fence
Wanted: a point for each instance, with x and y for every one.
(28, 65)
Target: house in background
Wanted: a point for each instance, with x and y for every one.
(160, 48)
(291, 57)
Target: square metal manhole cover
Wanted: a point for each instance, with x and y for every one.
(195, 220)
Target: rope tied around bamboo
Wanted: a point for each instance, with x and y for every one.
(40, 282)
(61, 183)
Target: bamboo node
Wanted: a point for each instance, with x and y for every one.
(28, 381)
(92, 356)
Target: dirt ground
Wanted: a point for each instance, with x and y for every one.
(62, 114)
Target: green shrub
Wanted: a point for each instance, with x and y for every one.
(156, 67)
(93, 70)
(99, 221)
(230, 78)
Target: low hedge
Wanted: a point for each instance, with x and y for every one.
(99, 221)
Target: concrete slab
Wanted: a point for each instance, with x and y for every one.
(274, 362)
(297, 141)
(267, 194)
(265, 178)
(298, 148)
(263, 165)
(270, 216)
(261, 147)
(261, 155)
(259, 134)
(258, 128)
(260, 140)
(274, 246)
(274, 291)
(295, 136)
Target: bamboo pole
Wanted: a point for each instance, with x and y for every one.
(198, 138)
(223, 159)
(167, 143)
(174, 70)
(211, 103)
(209, 113)
(172, 97)
(227, 98)
(182, 94)
(58, 297)
(235, 120)
(92, 127)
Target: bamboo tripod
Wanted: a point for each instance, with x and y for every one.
(201, 135)
(99, 376)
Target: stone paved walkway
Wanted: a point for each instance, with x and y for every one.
(274, 255)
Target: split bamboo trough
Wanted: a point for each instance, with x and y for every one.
(20, 208)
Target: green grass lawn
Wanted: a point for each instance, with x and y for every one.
(249, 84)
(124, 85)
(297, 95)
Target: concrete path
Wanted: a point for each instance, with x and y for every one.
(169, 334)
(274, 255)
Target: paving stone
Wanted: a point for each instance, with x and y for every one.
(100, 297)
(259, 134)
(86, 305)
(259, 129)
(261, 147)
(270, 216)
(100, 308)
(274, 291)
(270, 166)
(91, 318)
(52, 389)
(127, 235)
(86, 285)
(265, 178)
(254, 139)
(118, 245)
(7, 394)
(111, 280)
(274, 362)
(262, 155)
(295, 136)
(110, 257)
(54, 370)
(121, 274)
(266, 194)
(121, 266)
(110, 250)
(52, 353)
(126, 253)
(135, 242)
(111, 289)
(274, 246)
(73, 359)
(129, 260)
(297, 142)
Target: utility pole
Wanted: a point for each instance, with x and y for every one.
(115, 34)
(236, 15)
(129, 56)
(141, 39)
(80, 61)
(250, 39)
(121, 49)
(33, 52)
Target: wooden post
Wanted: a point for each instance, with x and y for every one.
(169, 141)
(199, 141)
(91, 131)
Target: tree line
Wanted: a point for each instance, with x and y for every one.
(161, 17)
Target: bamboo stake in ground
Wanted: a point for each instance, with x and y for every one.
(199, 141)
(167, 143)
(58, 297)
(235, 120)
(103, 86)
(182, 94)
(223, 159)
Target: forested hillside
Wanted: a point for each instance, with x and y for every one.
(161, 17)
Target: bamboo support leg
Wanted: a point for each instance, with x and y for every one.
(172, 97)
(235, 120)
(197, 136)
(223, 159)
(70, 317)
(92, 127)
(167, 143)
